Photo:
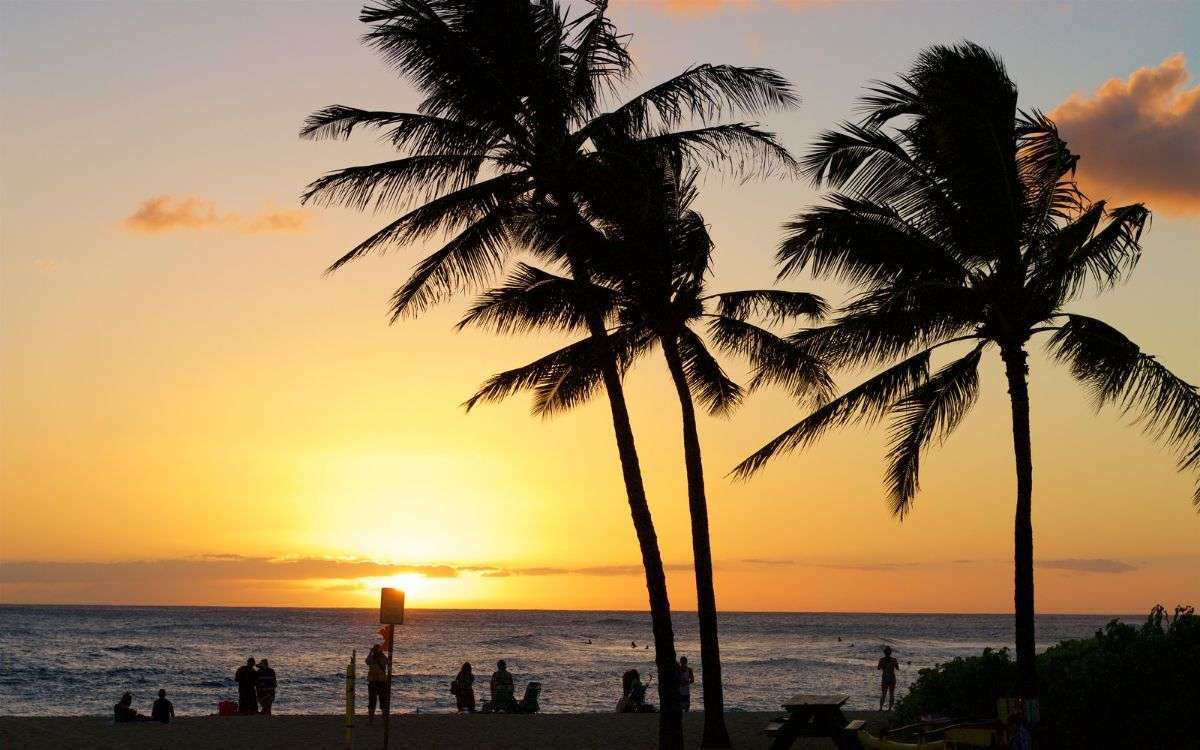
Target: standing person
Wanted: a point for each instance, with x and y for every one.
(246, 678)
(686, 678)
(377, 687)
(464, 691)
(889, 665)
(162, 710)
(501, 687)
(265, 687)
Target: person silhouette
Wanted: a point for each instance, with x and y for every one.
(889, 665)
(162, 710)
(246, 679)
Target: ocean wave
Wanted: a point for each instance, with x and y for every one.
(134, 648)
(523, 639)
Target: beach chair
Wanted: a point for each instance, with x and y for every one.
(529, 702)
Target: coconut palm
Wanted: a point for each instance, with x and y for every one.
(514, 95)
(649, 286)
(958, 219)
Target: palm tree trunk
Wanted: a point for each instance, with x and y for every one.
(715, 733)
(670, 718)
(1016, 370)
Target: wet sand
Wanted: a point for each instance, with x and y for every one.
(408, 731)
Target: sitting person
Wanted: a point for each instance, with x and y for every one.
(124, 713)
(162, 710)
(633, 694)
(501, 687)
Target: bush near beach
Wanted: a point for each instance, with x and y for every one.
(1125, 687)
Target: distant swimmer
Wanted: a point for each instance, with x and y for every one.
(633, 644)
(839, 639)
(589, 641)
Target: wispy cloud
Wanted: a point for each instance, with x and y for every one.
(1139, 138)
(346, 574)
(212, 567)
(1088, 565)
(165, 213)
(697, 7)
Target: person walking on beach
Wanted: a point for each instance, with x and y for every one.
(889, 666)
(246, 679)
(501, 687)
(162, 710)
(463, 689)
(686, 678)
(377, 687)
(265, 686)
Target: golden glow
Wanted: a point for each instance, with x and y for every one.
(204, 390)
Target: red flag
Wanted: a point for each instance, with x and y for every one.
(386, 634)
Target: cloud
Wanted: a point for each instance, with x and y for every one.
(1092, 565)
(165, 213)
(699, 7)
(1139, 138)
(212, 567)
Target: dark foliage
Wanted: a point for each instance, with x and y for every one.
(1127, 687)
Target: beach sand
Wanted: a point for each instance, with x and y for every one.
(409, 731)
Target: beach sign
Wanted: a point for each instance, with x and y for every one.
(391, 606)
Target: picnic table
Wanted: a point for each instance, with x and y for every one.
(814, 716)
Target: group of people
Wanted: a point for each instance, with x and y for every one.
(256, 687)
(501, 690)
(162, 710)
(633, 690)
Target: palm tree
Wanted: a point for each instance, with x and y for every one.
(961, 224)
(649, 288)
(513, 101)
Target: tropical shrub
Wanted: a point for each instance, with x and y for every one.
(1125, 687)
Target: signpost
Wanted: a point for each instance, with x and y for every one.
(348, 724)
(391, 613)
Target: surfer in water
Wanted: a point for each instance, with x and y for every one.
(889, 665)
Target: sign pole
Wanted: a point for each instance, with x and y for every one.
(348, 724)
(387, 706)
(391, 613)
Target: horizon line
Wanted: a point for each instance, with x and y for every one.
(566, 609)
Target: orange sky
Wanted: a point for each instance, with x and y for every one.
(185, 384)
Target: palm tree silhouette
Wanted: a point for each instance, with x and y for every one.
(962, 224)
(649, 288)
(501, 147)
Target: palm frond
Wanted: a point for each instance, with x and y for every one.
(1118, 373)
(738, 150)
(1081, 251)
(567, 377)
(773, 305)
(447, 213)
(931, 411)
(707, 92)
(416, 133)
(532, 299)
(468, 261)
(394, 184)
(715, 390)
(861, 242)
(864, 403)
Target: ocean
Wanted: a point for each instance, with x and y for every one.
(78, 660)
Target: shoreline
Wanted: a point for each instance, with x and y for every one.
(586, 731)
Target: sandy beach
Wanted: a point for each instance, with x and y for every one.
(428, 731)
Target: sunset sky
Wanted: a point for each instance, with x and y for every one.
(190, 413)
